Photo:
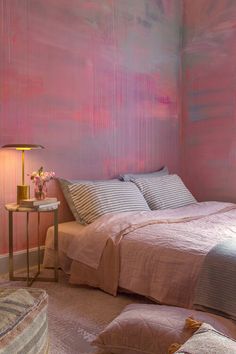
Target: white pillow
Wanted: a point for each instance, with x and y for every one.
(151, 329)
(164, 192)
(207, 340)
(98, 198)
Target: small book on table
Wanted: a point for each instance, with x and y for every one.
(34, 203)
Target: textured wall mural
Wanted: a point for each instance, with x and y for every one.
(95, 82)
(209, 82)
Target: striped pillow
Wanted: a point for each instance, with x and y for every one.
(96, 199)
(164, 192)
(64, 183)
(64, 187)
(131, 176)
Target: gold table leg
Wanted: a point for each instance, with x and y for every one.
(10, 231)
(56, 244)
(39, 260)
(27, 246)
(30, 280)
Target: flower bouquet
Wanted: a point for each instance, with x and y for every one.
(40, 179)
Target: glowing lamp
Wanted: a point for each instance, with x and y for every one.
(23, 191)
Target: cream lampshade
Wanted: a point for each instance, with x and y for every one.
(23, 191)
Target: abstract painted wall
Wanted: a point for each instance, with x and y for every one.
(95, 82)
(209, 105)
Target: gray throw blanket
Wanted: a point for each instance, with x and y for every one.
(216, 288)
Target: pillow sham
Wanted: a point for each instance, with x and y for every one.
(95, 199)
(131, 176)
(164, 192)
(151, 329)
(64, 183)
(64, 187)
(207, 340)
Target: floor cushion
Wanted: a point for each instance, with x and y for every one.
(151, 329)
(207, 340)
(23, 321)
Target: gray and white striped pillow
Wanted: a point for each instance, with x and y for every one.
(131, 176)
(96, 199)
(164, 192)
(64, 183)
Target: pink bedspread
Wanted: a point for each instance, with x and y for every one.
(161, 252)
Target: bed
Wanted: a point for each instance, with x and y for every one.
(156, 253)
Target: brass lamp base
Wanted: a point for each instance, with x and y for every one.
(23, 192)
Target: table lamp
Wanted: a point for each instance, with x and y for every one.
(23, 191)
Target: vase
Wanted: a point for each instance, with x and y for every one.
(40, 192)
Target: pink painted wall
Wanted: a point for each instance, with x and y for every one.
(95, 82)
(209, 105)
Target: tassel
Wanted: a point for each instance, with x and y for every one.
(192, 324)
(173, 348)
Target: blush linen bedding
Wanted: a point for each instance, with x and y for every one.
(66, 231)
(157, 254)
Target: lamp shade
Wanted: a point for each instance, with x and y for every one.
(23, 147)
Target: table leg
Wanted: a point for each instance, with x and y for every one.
(38, 242)
(10, 230)
(56, 244)
(27, 245)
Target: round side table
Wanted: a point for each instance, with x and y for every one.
(15, 208)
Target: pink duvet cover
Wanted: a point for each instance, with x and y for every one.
(157, 254)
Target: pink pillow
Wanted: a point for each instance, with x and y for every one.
(151, 329)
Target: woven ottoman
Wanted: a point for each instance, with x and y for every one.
(23, 321)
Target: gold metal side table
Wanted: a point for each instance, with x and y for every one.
(12, 208)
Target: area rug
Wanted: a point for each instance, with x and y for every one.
(76, 314)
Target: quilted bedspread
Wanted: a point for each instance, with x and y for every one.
(157, 254)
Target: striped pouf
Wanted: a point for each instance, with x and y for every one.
(23, 321)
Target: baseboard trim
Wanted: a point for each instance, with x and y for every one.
(20, 259)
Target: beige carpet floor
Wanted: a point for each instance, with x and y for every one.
(76, 314)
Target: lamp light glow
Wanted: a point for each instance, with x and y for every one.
(21, 149)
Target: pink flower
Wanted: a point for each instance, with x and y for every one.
(40, 177)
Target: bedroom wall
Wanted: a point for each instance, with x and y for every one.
(209, 105)
(96, 83)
